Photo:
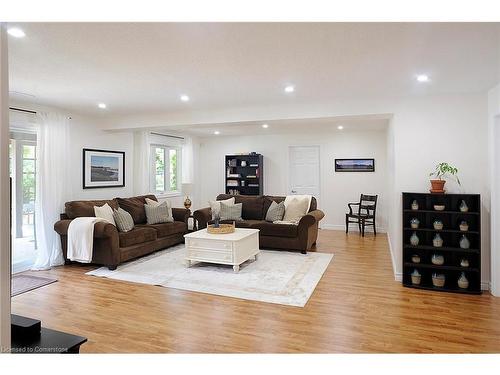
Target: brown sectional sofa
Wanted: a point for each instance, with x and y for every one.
(300, 237)
(112, 247)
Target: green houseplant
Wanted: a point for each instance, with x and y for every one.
(442, 170)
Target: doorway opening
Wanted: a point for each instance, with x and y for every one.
(22, 159)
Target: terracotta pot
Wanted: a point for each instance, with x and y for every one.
(437, 186)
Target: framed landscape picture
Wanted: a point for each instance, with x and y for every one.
(103, 168)
(354, 165)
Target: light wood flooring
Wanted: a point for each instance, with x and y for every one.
(357, 307)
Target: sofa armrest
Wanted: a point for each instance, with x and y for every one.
(311, 218)
(61, 227)
(181, 214)
(202, 217)
(104, 230)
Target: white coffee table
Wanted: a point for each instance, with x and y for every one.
(233, 248)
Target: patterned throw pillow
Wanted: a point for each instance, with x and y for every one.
(105, 212)
(215, 206)
(231, 211)
(276, 211)
(123, 219)
(153, 203)
(158, 214)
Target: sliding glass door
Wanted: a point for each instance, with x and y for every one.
(23, 174)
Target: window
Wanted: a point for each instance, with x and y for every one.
(165, 169)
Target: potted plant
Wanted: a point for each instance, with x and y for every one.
(442, 171)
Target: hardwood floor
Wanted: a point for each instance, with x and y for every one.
(357, 307)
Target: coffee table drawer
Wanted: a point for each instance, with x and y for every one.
(208, 244)
(209, 255)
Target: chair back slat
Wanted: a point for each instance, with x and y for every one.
(367, 203)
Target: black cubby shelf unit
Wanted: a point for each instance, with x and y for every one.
(244, 174)
(451, 234)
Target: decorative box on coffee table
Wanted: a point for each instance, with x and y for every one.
(232, 248)
(422, 214)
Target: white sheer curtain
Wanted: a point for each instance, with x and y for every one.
(51, 186)
(141, 163)
(187, 161)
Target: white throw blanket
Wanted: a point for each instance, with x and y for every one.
(81, 238)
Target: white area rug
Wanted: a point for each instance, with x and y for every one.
(282, 277)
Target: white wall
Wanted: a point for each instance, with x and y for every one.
(86, 133)
(494, 155)
(5, 262)
(452, 129)
(337, 189)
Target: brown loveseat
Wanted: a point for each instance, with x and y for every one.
(272, 236)
(112, 247)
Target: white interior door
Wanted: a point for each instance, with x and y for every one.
(304, 170)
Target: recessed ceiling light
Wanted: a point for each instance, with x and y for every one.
(340, 127)
(290, 88)
(216, 132)
(265, 126)
(185, 98)
(16, 32)
(102, 105)
(423, 78)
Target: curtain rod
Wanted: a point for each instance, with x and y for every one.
(169, 136)
(22, 110)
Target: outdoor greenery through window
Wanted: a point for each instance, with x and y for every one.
(165, 169)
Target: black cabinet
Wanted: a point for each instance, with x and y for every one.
(451, 234)
(245, 174)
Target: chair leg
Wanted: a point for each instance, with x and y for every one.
(359, 225)
(347, 224)
(374, 228)
(363, 227)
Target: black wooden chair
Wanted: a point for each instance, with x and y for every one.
(367, 207)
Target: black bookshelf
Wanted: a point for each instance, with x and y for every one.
(244, 174)
(451, 233)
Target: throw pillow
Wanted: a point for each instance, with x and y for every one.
(123, 219)
(230, 211)
(215, 206)
(158, 214)
(154, 203)
(295, 209)
(105, 212)
(276, 211)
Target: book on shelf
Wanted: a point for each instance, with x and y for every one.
(251, 176)
(253, 165)
(253, 185)
(232, 183)
(234, 175)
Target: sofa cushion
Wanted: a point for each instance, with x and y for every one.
(253, 206)
(76, 209)
(123, 220)
(276, 211)
(241, 223)
(161, 213)
(167, 229)
(276, 230)
(135, 207)
(137, 236)
(268, 199)
(230, 211)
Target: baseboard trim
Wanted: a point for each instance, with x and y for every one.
(485, 285)
(351, 228)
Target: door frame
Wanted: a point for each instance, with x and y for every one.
(289, 182)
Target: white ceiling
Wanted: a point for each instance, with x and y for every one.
(288, 126)
(140, 67)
